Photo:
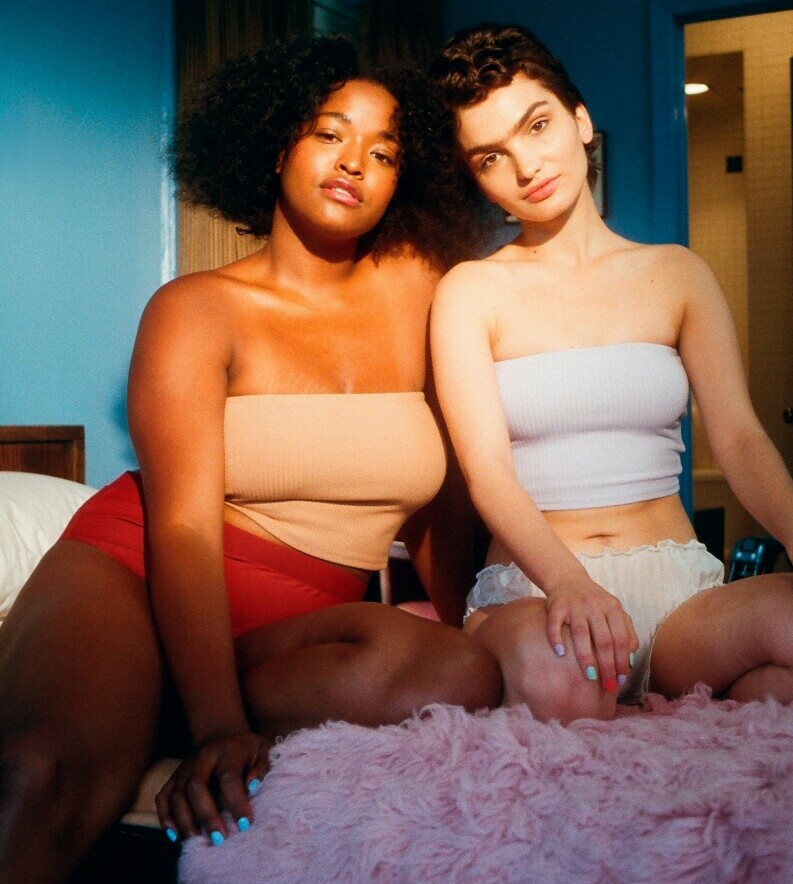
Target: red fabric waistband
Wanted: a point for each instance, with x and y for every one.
(265, 581)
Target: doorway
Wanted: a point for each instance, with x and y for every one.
(741, 218)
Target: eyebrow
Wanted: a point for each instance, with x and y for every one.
(385, 134)
(494, 145)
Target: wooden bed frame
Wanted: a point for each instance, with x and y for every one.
(51, 450)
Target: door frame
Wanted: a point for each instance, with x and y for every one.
(669, 148)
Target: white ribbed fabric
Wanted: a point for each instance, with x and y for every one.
(595, 426)
(649, 581)
(333, 475)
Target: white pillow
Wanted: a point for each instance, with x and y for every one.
(34, 510)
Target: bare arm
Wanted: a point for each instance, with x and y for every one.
(444, 540)
(177, 395)
(444, 536)
(463, 321)
(709, 349)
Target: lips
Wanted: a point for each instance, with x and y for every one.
(543, 190)
(343, 191)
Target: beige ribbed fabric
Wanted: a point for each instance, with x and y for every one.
(334, 475)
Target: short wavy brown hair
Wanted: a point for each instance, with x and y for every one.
(229, 138)
(477, 60)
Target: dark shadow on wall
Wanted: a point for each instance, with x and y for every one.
(119, 414)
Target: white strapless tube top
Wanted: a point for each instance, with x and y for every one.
(596, 426)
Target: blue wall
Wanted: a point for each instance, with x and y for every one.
(86, 230)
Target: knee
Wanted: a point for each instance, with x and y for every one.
(552, 687)
(30, 760)
(557, 690)
(775, 618)
(42, 807)
(32, 784)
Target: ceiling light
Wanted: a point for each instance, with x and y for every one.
(696, 88)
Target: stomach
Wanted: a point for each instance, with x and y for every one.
(620, 528)
(239, 520)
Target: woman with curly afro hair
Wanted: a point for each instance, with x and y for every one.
(277, 410)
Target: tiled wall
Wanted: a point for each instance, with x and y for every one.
(757, 277)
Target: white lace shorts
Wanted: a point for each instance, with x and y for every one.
(649, 581)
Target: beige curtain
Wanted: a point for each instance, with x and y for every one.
(208, 32)
(401, 31)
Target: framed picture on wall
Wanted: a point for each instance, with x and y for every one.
(599, 190)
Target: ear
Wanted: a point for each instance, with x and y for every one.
(584, 123)
(279, 163)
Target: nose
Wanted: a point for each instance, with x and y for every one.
(527, 164)
(350, 160)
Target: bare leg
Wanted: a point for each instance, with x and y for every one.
(552, 687)
(80, 682)
(736, 638)
(365, 663)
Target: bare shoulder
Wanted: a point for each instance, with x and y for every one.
(470, 280)
(188, 309)
(200, 291)
(672, 258)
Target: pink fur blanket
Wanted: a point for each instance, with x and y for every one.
(686, 791)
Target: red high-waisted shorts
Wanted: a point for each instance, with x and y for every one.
(265, 582)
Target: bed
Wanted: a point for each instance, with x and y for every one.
(42, 482)
(694, 790)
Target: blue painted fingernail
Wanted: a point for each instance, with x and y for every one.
(216, 838)
(622, 680)
(243, 824)
(172, 836)
(631, 659)
(591, 673)
(253, 786)
(559, 649)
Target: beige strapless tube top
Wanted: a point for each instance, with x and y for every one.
(334, 475)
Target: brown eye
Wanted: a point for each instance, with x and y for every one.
(385, 158)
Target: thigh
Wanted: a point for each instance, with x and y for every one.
(720, 634)
(79, 659)
(349, 623)
(363, 662)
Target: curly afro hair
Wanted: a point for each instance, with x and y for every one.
(229, 138)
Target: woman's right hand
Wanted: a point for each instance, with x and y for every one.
(602, 632)
(220, 775)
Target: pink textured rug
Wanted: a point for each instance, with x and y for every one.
(689, 791)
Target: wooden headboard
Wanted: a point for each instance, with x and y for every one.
(53, 451)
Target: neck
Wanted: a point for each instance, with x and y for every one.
(572, 237)
(307, 259)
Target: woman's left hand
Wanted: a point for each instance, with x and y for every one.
(220, 775)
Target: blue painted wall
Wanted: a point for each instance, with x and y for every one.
(86, 97)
